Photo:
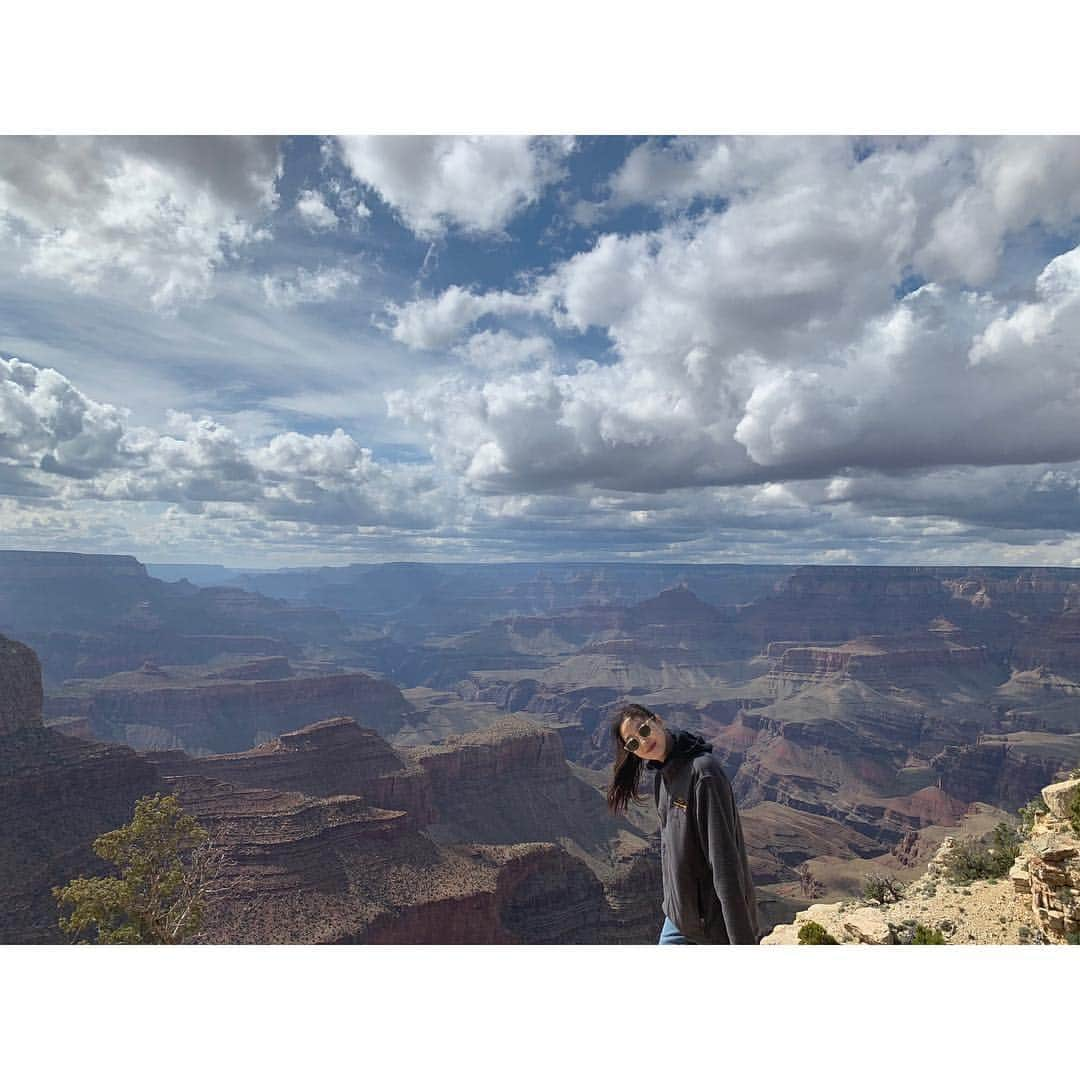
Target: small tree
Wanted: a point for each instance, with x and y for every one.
(168, 867)
(1006, 848)
(1030, 811)
(810, 886)
(883, 889)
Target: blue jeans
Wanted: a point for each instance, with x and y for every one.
(670, 935)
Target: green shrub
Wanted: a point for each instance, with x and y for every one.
(1029, 811)
(1073, 937)
(1073, 808)
(812, 933)
(925, 936)
(970, 861)
(883, 889)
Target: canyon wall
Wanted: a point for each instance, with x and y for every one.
(228, 717)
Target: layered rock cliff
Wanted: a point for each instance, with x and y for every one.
(1004, 769)
(878, 662)
(1047, 871)
(494, 841)
(331, 757)
(511, 783)
(227, 717)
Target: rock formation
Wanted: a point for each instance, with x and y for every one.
(1039, 902)
(1048, 868)
(1003, 769)
(226, 717)
(333, 836)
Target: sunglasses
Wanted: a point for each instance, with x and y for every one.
(633, 744)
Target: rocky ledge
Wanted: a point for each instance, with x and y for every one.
(1038, 903)
(331, 757)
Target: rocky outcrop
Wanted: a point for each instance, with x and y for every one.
(509, 783)
(1038, 591)
(230, 717)
(1051, 642)
(91, 615)
(20, 688)
(825, 604)
(332, 757)
(1048, 867)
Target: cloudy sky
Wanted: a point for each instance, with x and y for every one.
(283, 351)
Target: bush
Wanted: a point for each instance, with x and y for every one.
(883, 889)
(925, 936)
(168, 867)
(1073, 808)
(1073, 937)
(812, 933)
(971, 861)
(1029, 811)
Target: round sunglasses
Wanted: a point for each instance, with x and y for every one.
(633, 744)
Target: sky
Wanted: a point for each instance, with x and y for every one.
(263, 350)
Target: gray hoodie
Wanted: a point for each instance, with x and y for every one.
(708, 890)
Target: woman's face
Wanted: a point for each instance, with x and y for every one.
(653, 745)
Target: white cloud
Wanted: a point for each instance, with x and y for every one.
(155, 215)
(674, 173)
(436, 323)
(316, 214)
(497, 350)
(765, 342)
(47, 423)
(308, 286)
(963, 197)
(475, 183)
(58, 443)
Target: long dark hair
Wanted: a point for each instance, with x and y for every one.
(627, 772)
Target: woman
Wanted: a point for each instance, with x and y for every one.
(708, 892)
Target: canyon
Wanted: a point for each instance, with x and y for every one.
(331, 836)
(861, 712)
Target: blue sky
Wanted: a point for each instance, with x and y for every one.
(281, 351)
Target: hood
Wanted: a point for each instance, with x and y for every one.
(686, 745)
